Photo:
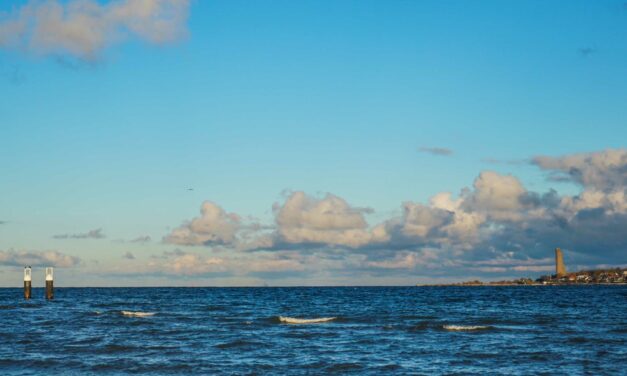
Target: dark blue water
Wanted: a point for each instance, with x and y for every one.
(505, 330)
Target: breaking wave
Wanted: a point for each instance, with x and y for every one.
(465, 327)
(293, 320)
(137, 314)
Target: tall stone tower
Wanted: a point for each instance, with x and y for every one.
(560, 269)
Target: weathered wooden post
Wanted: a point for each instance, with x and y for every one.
(27, 282)
(49, 284)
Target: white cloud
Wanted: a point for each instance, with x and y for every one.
(405, 260)
(84, 28)
(604, 171)
(192, 264)
(272, 263)
(465, 225)
(214, 227)
(306, 220)
(495, 195)
(38, 258)
(185, 264)
(496, 225)
(421, 220)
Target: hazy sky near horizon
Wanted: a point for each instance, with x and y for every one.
(175, 142)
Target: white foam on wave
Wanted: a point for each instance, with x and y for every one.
(137, 314)
(294, 320)
(464, 327)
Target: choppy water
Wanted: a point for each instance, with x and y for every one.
(409, 330)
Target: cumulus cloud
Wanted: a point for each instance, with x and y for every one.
(449, 223)
(440, 222)
(495, 196)
(494, 226)
(436, 151)
(38, 258)
(498, 216)
(301, 221)
(129, 256)
(603, 171)
(421, 221)
(92, 234)
(304, 221)
(329, 220)
(214, 227)
(84, 28)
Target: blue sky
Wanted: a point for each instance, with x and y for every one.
(247, 103)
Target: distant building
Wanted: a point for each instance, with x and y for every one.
(560, 268)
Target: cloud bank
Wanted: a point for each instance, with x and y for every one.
(84, 28)
(496, 225)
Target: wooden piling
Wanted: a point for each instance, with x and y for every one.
(27, 282)
(49, 284)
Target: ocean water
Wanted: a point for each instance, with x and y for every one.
(570, 330)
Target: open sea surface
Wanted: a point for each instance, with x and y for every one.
(566, 330)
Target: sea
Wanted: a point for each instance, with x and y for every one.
(420, 330)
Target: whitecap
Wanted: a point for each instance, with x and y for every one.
(465, 327)
(293, 320)
(137, 314)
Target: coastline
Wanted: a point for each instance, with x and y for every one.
(488, 284)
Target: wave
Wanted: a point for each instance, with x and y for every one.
(294, 320)
(239, 343)
(137, 314)
(465, 327)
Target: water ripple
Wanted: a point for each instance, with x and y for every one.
(303, 331)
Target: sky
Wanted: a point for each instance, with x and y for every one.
(237, 143)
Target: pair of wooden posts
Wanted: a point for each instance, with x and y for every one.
(28, 280)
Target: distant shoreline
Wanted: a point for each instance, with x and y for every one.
(487, 284)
